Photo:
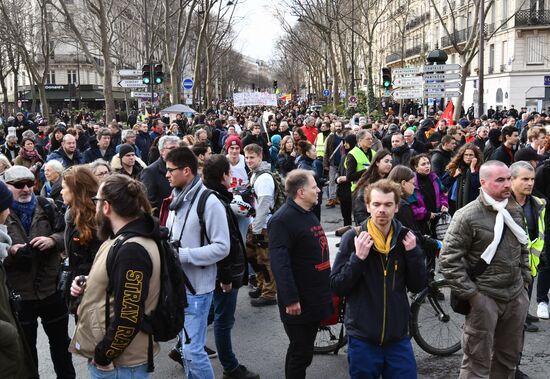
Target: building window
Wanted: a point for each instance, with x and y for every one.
(535, 50)
(71, 77)
(51, 47)
(50, 78)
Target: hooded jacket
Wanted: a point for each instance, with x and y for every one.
(377, 306)
(67, 162)
(440, 160)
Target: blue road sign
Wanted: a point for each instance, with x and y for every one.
(187, 83)
(326, 92)
(547, 80)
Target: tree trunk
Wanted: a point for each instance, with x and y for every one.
(464, 71)
(107, 66)
(208, 81)
(44, 106)
(5, 102)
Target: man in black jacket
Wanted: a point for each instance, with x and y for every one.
(442, 155)
(510, 140)
(297, 244)
(376, 265)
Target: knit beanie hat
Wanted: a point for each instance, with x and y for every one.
(125, 149)
(6, 197)
(233, 140)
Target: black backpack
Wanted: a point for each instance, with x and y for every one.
(167, 320)
(237, 249)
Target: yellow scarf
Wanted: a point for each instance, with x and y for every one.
(381, 243)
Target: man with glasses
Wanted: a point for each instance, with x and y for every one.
(359, 158)
(32, 266)
(199, 250)
(154, 176)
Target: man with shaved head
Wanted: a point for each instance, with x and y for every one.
(486, 261)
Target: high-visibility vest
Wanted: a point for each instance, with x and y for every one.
(363, 162)
(320, 142)
(537, 245)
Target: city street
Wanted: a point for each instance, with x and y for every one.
(260, 343)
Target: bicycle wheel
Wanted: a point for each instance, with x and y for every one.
(436, 328)
(329, 339)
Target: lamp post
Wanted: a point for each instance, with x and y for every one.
(352, 48)
(436, 56)
(480, 56)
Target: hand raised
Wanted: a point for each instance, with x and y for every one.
(363, 243)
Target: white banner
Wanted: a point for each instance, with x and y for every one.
(242, 99)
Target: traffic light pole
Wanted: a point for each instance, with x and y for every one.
(147, 55)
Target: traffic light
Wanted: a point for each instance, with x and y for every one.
(159, 75)
(275, 84)
(146, 74)
(386, 77)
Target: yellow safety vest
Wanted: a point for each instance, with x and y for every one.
(320, 145)
(363, 162)
(537, 245)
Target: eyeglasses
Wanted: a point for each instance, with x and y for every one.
(95, 199)
(172, 169)
(21, 185)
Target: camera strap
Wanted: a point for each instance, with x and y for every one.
(186, 214)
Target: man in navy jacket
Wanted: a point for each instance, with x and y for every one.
(376, 265)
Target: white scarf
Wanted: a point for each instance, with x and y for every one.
(503, 216)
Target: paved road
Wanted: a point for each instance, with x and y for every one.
(260, 343)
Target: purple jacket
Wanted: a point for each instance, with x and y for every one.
(417, 200)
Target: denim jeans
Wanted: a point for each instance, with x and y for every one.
(224, 319)
(135, 372)
(55, 321)
(196, 362)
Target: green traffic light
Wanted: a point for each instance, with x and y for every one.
(158, 80)
(146, 80)
(386, 84)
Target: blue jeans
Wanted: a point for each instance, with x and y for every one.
(135, 372)
(196, 362)
(369, 361)
(224, 319)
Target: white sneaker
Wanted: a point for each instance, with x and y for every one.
(542, 311)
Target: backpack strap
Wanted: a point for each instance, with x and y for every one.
(48, 209)
(201, 205)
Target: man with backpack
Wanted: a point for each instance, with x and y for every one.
(32, 265)
(231, 270)
(125, 277)
(265, 188)
(201, 243)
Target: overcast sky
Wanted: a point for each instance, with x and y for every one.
(257, 29)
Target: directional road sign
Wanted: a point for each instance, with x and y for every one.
(412, 81)
(132, 83)
(187, 83)
(547, 80)
(442, 76)
(407, 93)
(453, 94)
(142, 94)
(438, 93)
(343, 94)
(326, 92)
(441, 85)
(406, 71)
(129, 72)
(441, 67)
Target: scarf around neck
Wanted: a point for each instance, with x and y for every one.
(381, 242)
(25, 212)
(503, 217)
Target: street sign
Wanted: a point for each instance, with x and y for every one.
(129, 72)
(353, 99)
(187, 83)
(547, 80)
(343, 94)
(132, 83)
(441, 67)
(442, 76)
(453, 94)
(352, 105)
(408, 93)
(441, 85)
(406, 71)
(412, 81)
(142, 94)
(326, 92)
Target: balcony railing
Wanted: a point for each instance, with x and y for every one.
(490, 69)
(527, 17)
(420, 20)
(416, 50)
(457, 37)
(393, 57)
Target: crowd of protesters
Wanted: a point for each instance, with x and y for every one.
(425, 166)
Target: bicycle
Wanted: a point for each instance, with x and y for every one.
(331, 334)
(435, 327)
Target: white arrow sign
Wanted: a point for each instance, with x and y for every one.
(407, 93)
(133, 83)
(408, 82)
(453, 94)
(441, 85)
(441, 67)
(406, 71)
(129, 72)
(442, 76)
(142, 94)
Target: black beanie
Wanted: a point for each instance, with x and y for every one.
(6, 198)
(125, 149)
